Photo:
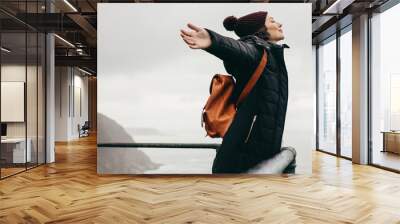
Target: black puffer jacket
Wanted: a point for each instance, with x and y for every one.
(256, 131)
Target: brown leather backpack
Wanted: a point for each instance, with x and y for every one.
(219, 111)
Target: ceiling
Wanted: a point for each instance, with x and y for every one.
(76, 21)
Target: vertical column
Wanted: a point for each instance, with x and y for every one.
(62, 103)
(360, 90)
(92, 99)
(50, 92)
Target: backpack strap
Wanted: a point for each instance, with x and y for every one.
(253, 79)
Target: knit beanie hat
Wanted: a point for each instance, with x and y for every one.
(246, 25)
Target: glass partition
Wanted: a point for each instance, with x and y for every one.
(41, 107)
(346, 93)
(327, 95)
(14, 153)
(385, 89)
(22, 77)
(33, 61)
(32, 95)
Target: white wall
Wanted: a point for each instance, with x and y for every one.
(15, 72)
(68, 81)
(13, 101)
(80, 84)
(61, 103)
(154, 86)
(33, 127)
(12, 73)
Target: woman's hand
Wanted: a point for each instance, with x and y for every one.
(198, 38)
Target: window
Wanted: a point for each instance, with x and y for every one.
(346, 93)
(327, 96)
(385, 89)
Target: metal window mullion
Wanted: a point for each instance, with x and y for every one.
(0, 93)
(73, 92)
(317, 95)
(69, 92)
(37, 90)
(338, 98)
(45, 91)
(369, 89)
(26, 86)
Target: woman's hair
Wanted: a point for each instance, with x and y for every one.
(262, 33)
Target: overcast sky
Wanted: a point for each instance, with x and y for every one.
(153, 85)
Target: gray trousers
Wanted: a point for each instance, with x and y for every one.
(277, 164)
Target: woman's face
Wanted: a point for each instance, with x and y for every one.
(274, 29)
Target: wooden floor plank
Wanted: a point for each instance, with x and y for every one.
(70, 191)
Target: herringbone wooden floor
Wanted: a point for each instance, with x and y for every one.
(70, 191)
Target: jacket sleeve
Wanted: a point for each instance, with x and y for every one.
(234, 52)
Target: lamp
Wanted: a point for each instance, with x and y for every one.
(5, 50)
(64, 40)
(337, 7)
(70, 5)
(84, 71)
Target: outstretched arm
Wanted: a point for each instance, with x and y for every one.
(197, 38)
(227, 49)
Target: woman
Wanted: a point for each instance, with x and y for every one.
(255, 135)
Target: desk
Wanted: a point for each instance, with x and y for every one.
(13, 150)
(391, 141)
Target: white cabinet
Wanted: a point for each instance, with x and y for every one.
(19, 155)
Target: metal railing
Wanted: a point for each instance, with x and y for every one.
(160, 145)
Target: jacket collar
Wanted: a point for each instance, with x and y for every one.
(262, 42)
